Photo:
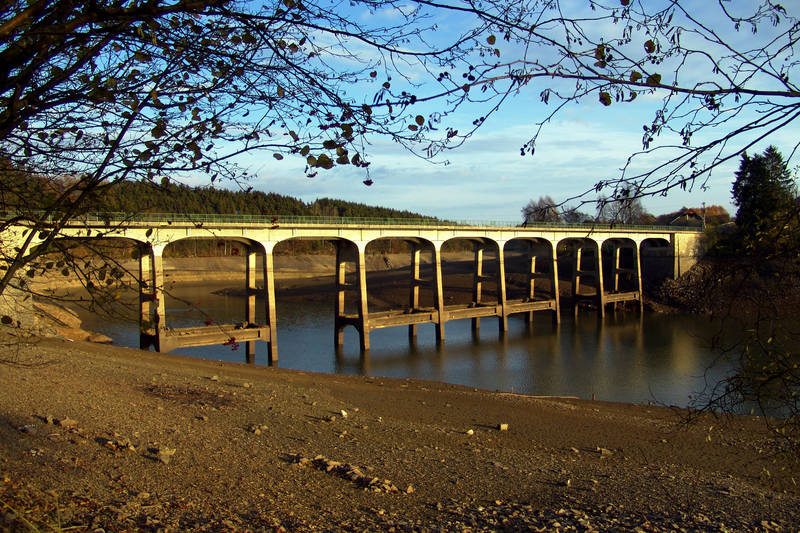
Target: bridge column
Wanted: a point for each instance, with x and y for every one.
(556, 297)
(531, 262)
(438, 292)
(477, 282)
(637, 248)
(601, 293)
(501, 288)
(363, 309)
(627, 268)
(341, 320)
(617, 270)
(152, 310)
(595, 270)
(341, 288)
(250, 300)
(413, 297)
(269, 301)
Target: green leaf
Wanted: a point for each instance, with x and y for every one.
(605, 98)
(635, 76)
(329, 144)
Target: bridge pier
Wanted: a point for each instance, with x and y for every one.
(628, 267)
(250, 300)
(342, 319)
(477, 281)
(152, 310)
(153, 331)
(549, 272)
(415, 284)
(269, 302)
(438, 292)
(593, 270)
(501, 290)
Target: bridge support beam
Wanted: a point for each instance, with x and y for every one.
(548, 269)
(592, 255)
(269, 302)
(342, 319)
(438, 292)
(501, 290)
(554, 273)
(626, 273)
(341, 289)
(152, 310)
(416, 282)
(250, 300)
(477, 282)
(363, 308)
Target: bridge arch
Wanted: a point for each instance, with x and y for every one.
(401, 268)
(531, 271)
(473, 275)
(249, 260)
(622, 269)
(98, 263)
(657, 261)
(581, 258)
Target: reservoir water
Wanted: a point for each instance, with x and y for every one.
(657, 358)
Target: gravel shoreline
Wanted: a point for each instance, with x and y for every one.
(102, 438)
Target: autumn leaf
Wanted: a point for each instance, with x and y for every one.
(654, 79)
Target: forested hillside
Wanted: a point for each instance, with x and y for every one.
(134, 197)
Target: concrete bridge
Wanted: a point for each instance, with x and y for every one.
(589, 247)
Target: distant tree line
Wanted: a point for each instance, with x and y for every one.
(168, 197)
(620, 211)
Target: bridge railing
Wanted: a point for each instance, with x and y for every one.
(113, 218)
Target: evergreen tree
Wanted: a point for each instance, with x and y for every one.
(763, 192)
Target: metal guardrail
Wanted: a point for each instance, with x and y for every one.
(272, 220)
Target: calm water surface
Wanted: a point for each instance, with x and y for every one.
(659, 358)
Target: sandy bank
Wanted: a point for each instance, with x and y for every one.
(128, 440)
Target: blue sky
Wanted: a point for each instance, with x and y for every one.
(486, 179)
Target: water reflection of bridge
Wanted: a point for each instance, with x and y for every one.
(604, 262)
